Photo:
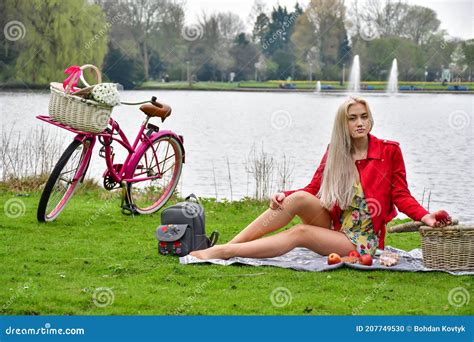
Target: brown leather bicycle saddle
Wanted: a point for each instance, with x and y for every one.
(160, 110)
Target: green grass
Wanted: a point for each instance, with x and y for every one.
(435, 86)
(55, 268)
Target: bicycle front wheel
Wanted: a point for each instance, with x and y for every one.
(164, 159)
(63, 181)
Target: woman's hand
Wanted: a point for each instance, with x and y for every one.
(275, 202)
(430, 219)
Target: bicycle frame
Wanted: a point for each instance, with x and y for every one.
(141, 143)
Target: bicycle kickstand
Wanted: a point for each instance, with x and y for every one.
(128, 208)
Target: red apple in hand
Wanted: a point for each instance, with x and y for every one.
(442, 218)
(354, 254)
(366, 260)
(441, 215)
(334, 258)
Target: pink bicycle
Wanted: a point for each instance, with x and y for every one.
(148, 176)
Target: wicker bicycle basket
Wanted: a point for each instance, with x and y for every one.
(448, 248)
(77, 112)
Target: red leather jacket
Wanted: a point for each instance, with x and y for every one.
(383, 179)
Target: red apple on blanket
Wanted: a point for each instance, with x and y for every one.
(366, 260)
(354, 253)
(334, 258)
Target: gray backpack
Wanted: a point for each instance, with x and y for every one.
(182, 229)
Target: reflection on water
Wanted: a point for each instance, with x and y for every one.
(436, 134)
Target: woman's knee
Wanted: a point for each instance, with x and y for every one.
(300, 233)
(298, 200)
(308, 207)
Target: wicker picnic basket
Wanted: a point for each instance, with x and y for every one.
(75, 111)
(448, 248)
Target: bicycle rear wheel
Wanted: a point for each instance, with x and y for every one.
(148, 196)
(63, 181)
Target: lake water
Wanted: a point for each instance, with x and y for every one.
(436, 135)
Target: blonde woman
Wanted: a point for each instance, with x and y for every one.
(346, 206)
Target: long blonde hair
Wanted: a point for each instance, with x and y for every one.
(340, 171)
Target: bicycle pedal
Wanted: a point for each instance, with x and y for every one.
(129, 209)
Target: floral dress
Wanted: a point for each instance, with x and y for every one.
(356, 223)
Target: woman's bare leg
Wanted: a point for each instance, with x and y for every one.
(320, 240)
(301, 203)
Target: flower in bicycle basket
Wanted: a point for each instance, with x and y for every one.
(106, 93)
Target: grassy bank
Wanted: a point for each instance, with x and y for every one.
(95, 261)
(301, 85)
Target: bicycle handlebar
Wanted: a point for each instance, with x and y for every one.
(152, 101)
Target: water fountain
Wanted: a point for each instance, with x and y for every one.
(318, 86)
(354, 78)
(392, 87)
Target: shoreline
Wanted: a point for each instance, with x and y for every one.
(255, 90)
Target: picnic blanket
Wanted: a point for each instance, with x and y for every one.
(303, 259)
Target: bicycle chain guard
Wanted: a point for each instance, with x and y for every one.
(109, 182)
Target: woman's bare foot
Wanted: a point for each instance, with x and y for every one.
(215, 252)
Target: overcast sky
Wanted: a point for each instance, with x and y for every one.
(457, 16)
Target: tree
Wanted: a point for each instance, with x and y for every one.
(145, 17)
(419, 24)
(280, 28)
(380, 52)
(209, 55)
(385, 16)
(468, 50)
(245, 54)
(458, 61)
(149, 34)
(436, 54)
(53, 40)
(321, 28)
(391, 18)
(260, 28)
(122, 68)
(168, 44)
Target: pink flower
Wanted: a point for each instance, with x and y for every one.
(355, 215)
